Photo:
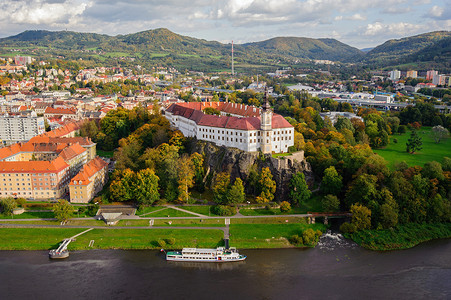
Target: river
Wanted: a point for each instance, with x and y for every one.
(335, 269)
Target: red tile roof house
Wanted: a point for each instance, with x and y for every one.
(239, 126)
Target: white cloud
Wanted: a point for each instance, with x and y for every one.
(39, 12)
(398, 29)
(436, 11)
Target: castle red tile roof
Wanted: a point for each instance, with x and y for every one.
(240, 123)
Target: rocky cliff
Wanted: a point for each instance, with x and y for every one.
(245, 165)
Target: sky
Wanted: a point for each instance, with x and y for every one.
(359, 23)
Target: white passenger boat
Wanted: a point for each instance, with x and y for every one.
(219, 254)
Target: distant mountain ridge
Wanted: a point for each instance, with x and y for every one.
(168, 47)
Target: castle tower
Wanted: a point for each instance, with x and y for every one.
(266, 125)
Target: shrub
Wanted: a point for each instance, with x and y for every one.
(161, 243)
(395, 141)
(285, 206)
(92, 210)
(347, 227)
(296, 239)
(330, 203)
(309, 236)
(170, 241)
(224, 210)
(21, 202)
(7, 206)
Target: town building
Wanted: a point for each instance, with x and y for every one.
(15, 129)
(395, 75)
(89, 181)
(240, 126)
(43, 167)
(412, 74)
(430, 74)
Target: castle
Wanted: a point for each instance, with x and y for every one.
(247, 128)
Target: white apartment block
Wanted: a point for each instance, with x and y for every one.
(18, 128)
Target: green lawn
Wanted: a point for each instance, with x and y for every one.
(204, 209)
(105, 153)
(311, 205)
(34, 238)
(31, 215)
(148, 238)
(175, 223)
(148, 209)
(267, 235)
(272, 220)
(395, 153)
(169, 213)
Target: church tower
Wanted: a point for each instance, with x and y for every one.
(266, 126)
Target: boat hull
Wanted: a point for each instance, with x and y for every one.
(58, 255)
(211, 260)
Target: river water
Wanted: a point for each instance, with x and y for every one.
(335, 269)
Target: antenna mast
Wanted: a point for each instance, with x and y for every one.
(232, 61)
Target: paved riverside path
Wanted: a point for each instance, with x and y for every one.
(123, 217)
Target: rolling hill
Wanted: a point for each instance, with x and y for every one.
(406, 50)
(163, 47)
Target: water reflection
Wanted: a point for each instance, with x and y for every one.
(212, 266)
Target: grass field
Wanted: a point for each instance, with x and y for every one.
(272, 220)
(395, 153)
(175, 223)
(105, 153)
(147, 238)
(267, 235)
(169, 213)
(34, 238)
(31, 215)
(147, 209)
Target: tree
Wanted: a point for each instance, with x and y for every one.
(433, 170)
(332, 182)
(211, 111)
(361, 217)
(363, 189)
(299, 189)
(146, 187)
(199, 172)
(389, 215)
(439, 133)
(285, 206)
(236, 193)
(221, 188)
(7, 206)
(267, 186)
(185, 178)
(414, 143)
(330, 203)
(63, 210)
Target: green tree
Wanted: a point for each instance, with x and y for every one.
(185, 178)
(221, 188)
(363, 189)
(361, 217)
(63, 210)
(414, 143)
(332, 182)
(199, 172)
(432, 170)
(299, 189)
(285, 206)
(267, 186)
(330, 203)
(146, 187)
(236, 193)
(7, 205)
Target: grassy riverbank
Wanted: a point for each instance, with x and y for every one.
(400, 237)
